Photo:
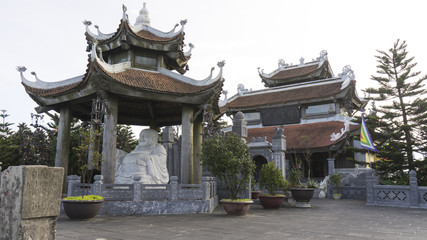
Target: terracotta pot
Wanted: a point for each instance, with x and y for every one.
(271, 201)
(302, 194)
(81, 209)
(236, 208)
(254, 194)
(337, 196)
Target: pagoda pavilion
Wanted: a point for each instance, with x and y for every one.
(134, 76)
(314, 108)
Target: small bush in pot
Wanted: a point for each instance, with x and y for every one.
(85, 206)
(271, 180)
(336, 180)
(227, 158)
(301, 194)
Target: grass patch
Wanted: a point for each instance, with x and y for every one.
(85, 198)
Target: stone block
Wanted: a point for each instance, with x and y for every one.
(31, 202)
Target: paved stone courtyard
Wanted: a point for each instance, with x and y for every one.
(327, 219)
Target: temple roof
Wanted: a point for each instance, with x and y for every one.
(321, 89)
(287, 74)
(142, 35)
(144, 96)
(316, 135)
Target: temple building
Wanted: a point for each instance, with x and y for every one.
(134, 76)
(314, 108)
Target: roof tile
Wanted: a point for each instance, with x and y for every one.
(318, 134)
(286, 95)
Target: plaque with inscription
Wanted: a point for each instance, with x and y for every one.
(42, 191)
(280, 115)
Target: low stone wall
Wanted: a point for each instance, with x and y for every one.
(410, 196)
(148, 199)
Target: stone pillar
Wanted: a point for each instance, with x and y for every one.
(97, 185)
(331, 166)
(239, 125)
(30, 202)
(206, 188)
(370, 198)
(187, 146)
(137, 194)
(197, 151)
(279, 148)
(72, 180)
(168, 139)
(174, 188)
(109, 138)
(413, 189)
(63, 141)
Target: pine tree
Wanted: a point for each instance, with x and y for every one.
(402, 111)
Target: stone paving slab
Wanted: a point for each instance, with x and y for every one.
(327, 219)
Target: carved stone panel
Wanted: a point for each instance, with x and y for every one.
(280, 115)
(42, 192)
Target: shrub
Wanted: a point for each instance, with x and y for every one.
(271, 179)
(227, 158)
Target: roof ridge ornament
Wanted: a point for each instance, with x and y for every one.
(223, 102)
(336, 136)
(241, 89)
(125, 16)
(347, 76)
(100, 36)
(323, 57)
(282, 63)
(39, 84)
(188, 53)
(143, 18)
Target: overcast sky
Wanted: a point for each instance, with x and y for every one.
(47, 36)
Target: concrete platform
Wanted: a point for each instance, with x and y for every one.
(326, 219)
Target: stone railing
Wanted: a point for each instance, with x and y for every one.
(396, 196)
(139, 199)
(353, 192)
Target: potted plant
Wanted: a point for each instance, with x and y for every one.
(271, 180)
(301, 194)
(85, 206)
(336, 180)
(227, 158)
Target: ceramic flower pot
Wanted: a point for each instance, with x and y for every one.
(236, 208)
(271, 201)
(337, 196)
(302, 196)
(81, 209)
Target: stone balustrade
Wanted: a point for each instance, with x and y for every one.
(140, 199)
(410, 196)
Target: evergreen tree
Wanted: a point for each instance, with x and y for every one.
(7, 147)
(125, 138)
(4, 126)
(402, 111)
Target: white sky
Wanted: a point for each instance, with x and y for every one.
(47, 36)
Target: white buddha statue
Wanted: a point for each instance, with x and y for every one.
(147, 160)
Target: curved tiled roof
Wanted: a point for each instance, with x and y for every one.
(319, 134)
(152, 37)
(157, 82)
(51, 91)
(142, 34)
(286, 95)
(295, 72)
